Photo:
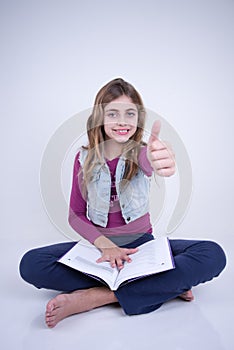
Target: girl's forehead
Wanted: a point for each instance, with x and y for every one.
(121, 103)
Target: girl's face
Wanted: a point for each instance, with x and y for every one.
(120, 119)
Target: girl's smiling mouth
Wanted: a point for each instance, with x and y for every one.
(121, 131)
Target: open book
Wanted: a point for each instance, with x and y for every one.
(152, 257)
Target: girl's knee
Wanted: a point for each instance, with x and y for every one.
(217, 254)
(27, 266)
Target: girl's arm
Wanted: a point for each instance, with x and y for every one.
(77, 209)
(80, 223)
(144, 162)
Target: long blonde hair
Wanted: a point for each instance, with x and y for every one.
(95, 129)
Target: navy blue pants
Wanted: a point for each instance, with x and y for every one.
(196, 262)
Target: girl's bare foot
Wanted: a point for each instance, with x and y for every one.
(64, 305)
(187, 296)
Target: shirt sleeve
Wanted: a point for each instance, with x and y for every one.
(144, 162)
(78, 206)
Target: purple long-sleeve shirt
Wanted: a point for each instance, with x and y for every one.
(116, 225)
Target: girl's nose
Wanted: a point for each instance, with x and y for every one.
(121, 120)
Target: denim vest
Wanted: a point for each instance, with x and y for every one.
(133, 196)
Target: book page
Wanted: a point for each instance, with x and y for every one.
(152, 257)
(83, 257)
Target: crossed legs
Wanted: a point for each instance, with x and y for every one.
(196, 262)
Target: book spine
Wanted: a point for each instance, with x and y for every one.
(172, 257)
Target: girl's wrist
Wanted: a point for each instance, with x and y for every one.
(103, 242)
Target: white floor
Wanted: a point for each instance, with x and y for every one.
(205, 323)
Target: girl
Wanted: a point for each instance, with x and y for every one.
(109, 206)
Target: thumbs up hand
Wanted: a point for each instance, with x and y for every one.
(160, 155)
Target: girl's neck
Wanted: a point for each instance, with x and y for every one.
(112, 150)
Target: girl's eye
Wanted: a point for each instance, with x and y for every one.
(131, 114)
(112, 115)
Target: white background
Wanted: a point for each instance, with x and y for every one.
(55, 55)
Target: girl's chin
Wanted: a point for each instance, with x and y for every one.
(121, 139)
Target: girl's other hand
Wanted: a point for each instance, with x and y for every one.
(117, 256)
(159, 153)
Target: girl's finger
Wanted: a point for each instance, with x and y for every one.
(112, 262)
(129, 259)
(126, 258)
(103, 258)
(119, 263)
(162, 154)
(163, 164)
(166, 171)
(131, 250)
